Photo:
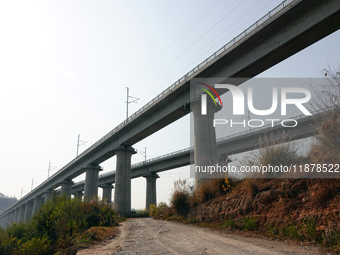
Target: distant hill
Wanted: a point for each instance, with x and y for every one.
(6, 202)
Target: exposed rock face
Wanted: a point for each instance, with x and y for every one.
(280, 200)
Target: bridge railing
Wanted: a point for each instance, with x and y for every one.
(221, 52)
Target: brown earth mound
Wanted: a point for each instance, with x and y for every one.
(276, 200)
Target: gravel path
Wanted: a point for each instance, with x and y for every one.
(148, 236)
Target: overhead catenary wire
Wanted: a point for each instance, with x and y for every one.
(170, 80)
(171, 44)
(210, 29)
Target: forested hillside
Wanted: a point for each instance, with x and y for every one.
(6, 202)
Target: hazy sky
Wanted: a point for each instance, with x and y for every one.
(64, 66)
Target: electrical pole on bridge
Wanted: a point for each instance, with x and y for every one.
(79, 143)
(133, 100)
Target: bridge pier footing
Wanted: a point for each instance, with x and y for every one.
(151, 194)
(123, 180)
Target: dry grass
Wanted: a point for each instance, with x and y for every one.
(208, 190)
(100, 233)
(323, 191)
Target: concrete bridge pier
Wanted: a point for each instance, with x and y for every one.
(16, 215)
(37, 202)
(22, 210)
(10, 218)
(91, 181)
(78, 194)
(123, 180)
(205, 153)
(6, 220)
(66, 188)
(48, 195)
(107, 191)
(28, 211)
(151, 194)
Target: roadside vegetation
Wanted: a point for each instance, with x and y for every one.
(299, 209)
(62, 226)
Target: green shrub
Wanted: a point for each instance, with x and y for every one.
(180, 197)
(56, 225)
(21, 231)
(139, 213)
(153, 210)
(8, 243)
(310, 228)
(36, 246)
(249, 223)
(193, 220)
(229, 224)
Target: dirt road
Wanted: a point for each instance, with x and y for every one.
(148, 236)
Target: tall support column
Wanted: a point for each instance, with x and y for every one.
(48, 195)
(66, 188)
(16, 215)
(91, 181)
(11, 217)
(151, 194)
(28, 211)
(205, 152)
(38, 201)
(6, 220)
(123, 180)
(107, 191)
(78, 194)
(22, 210)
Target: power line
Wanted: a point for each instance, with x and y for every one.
(169, 47)
(192, 45)
(174, 41)
(206, 52)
